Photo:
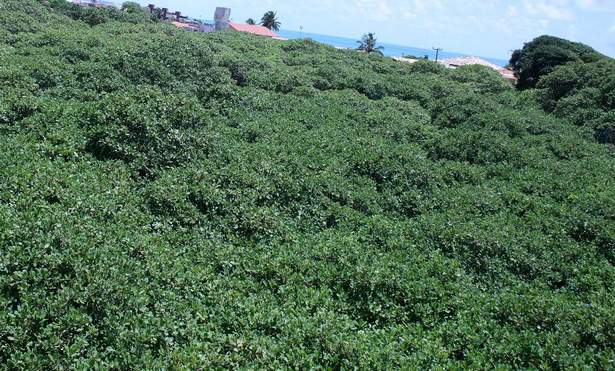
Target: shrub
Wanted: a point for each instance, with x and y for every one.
(147, 129)
(481, 79)
(223, 201)
(542, 55)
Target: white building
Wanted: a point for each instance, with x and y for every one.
(94, 3)
(468, 61)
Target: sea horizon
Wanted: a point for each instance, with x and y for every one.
(390, 50)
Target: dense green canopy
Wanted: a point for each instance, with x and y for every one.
(542, 55)
(583, 94)
(183, 200)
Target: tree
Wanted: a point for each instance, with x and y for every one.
(250, 21)
(132, 7)
(270, 20)
(156, 15)
(540, 57)
(368, 43)
(583, 94)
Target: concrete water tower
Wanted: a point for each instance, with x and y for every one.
(222, 17)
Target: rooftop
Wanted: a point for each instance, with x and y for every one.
(188, 26)
(94, 3)
(254, 29)
(405, 60)
(466, 61)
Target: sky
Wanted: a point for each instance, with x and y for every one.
(490, 28)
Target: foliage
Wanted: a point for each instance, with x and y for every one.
(270, 20)
(539, 57)
(481, 79)
(250, 21)
(131, 6)
(583, 94)
(175, 200)
(130, 12)
(368, 44)
(412, 56)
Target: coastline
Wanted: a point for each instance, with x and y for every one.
(390, 50)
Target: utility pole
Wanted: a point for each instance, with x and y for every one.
(301, 32)
(437, 52)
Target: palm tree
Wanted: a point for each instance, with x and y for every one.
(368, 43)
(270, 20)
(250, 21)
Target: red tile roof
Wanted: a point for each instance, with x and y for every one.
(253, 29)
(508, 74)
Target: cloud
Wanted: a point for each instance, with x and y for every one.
(376, 10)
(554, 10)
(389, 10)
(407, 15)
(596, 5)
(424, 5)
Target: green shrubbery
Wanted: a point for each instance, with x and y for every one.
(544, 54)
(147, 129)
(582, 93)
(179, 200)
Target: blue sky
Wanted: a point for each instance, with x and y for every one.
(481, 27)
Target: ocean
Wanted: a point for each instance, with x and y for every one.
(390, 50)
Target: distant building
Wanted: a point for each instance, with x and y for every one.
(468, 61)
(255, 30)
(508, 74)
(222, 18)
(94, 3)
(406, 60)
(178, 20)
(222, 22)
(164, 14)
(193, 26)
